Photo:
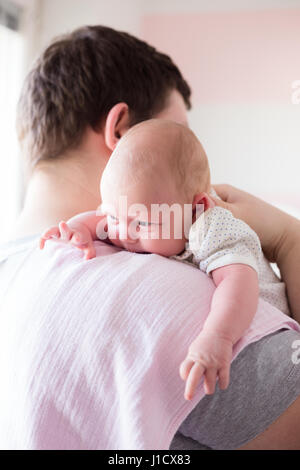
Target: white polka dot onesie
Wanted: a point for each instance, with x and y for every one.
(218, 239)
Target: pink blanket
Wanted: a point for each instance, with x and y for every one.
(90, 350)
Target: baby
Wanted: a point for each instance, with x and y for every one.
(159, 165)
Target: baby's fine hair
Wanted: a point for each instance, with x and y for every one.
(165, 148)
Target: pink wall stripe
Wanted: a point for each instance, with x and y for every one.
(232, 57)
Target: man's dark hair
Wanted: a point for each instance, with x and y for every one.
(80, 77)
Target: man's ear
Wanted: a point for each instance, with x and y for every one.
(205, 200)
(116, 124)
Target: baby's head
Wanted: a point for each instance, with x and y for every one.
(156, 162)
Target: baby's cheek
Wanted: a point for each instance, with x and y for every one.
(163, 247)
(176, 247)
(151, 246)
(113, 234)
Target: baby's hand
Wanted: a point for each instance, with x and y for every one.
(78, 236)
(209, 355)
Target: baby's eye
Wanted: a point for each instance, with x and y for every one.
(143, 224)
(112, 218)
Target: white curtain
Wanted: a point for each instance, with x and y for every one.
(11, 56)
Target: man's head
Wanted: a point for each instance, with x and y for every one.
(81, 77)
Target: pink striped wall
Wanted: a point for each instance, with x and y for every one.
(238, 56)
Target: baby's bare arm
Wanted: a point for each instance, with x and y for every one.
(233, 307)
(90, 220)
(234, 302)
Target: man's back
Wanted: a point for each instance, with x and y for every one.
(89, 351)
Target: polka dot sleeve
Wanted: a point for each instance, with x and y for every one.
(218, 239)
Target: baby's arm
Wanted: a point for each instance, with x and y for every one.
(233, 307)
(81, 230)
(234, 302)
(87, 221)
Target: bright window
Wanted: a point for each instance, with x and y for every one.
(11, 57)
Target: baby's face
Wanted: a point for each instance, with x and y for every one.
(139, 218)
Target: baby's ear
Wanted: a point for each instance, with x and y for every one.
(205, 200)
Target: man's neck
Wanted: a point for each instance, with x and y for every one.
(58, 191)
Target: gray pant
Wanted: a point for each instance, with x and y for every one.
(264, 381)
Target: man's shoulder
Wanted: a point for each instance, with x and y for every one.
(60, 275)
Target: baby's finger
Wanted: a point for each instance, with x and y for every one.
(90, 252)
(52, 232)
(78, 239)
(65, 232)
(210, 381)
(224, 377)
(193, 379)
(185, 368)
